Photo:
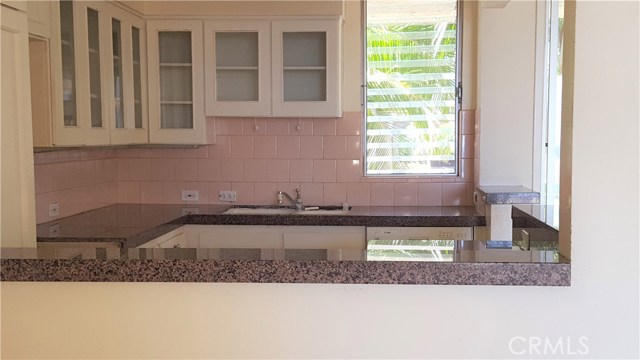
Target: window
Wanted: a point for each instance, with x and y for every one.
(412, 89)
(550, 189)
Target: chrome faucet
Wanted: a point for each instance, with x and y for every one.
(297, 202)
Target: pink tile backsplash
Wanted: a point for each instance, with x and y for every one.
(312, 193)
(359, 194)
(405, 194)
(254, 126)
(255, 157)
(244, 192)
(454, 194)
(278, 170)
(230, 126)
(429, 194)
(288, 147)
(335, 147)
(350, 124)
(264, 147)
(324, 126)
(265, 193)
(186, 169)
(301, 127)
(162, 169)
(241, 147)
(348, 171)
(231, 170)
(382, 194)
(301, 171)
(151, 192)
(324, 171)
(354, 151)
(335, 193)
(467, 122)
(311, 147)
(208, 169)
(278, 126)
(255, 170)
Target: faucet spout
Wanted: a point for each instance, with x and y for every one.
(297, 202)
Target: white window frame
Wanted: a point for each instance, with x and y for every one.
(458, 102)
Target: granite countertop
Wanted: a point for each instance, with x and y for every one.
(109, 237)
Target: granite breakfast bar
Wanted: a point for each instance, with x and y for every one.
(122, 228)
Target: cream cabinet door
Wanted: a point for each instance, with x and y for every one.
(306, 68)
(125, 72)
(17, 195)
(79, 112)
(237, 68)
(176, 82)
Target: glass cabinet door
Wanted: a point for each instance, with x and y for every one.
(238, 68)
(95, 85)
(306, 69)
(118, 88)
(129, 115)
(67, 38)
(176, 80)
(304, 66)
(137, 78)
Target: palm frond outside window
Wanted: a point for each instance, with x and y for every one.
(411, 104)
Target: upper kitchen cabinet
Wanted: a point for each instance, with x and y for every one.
(176, 82)
(127, 73)
(283, 68)
(39, 15)
(98, 82)
(238, 68)
(306, 68)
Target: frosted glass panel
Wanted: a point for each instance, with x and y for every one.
(175, 83)
(304, 48)
(117, 72)
(176, 116)
(68, 63)
(237, 49)
(237, 85)
(94, 67)
(305, 85)
(175, 47)
(137, 81)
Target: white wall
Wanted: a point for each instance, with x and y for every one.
(506, 54)
(130, 320)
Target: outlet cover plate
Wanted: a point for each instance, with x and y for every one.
(190, 195)
(54, 209)
(229, 196)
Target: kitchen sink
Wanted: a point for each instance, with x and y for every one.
(270, 210)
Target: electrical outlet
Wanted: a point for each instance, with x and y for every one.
(54, 230)
(227, 196)
(189, 211)
(190, 195)
(54, 209)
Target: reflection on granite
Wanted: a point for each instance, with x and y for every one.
(132, 225)
(100, 245)
(508, 195)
